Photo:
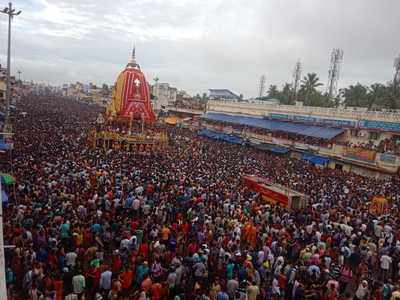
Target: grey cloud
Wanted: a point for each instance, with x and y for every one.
(201, 44)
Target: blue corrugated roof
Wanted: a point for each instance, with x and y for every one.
(272, 148)
(221, 136)
(315, 159)
(272, 125)
(225, 93)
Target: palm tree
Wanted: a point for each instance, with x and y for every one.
(355, 95)
(309, 84)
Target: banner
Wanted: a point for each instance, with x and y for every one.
(367, 124)
(359, 154)
(382, 125)
(313, 120)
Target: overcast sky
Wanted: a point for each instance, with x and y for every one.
(200, 44)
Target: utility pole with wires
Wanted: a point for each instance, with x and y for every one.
(10, 11)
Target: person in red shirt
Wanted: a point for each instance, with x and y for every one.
(58, 286)
(93, 278)
(144, 249)
(146, 284)
(126, 278)
(116, 263)
(192, 248)
(134, 225)
(157, 292)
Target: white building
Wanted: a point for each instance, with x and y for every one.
(164, 95)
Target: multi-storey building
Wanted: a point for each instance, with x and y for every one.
(354, 140)
(163, 95)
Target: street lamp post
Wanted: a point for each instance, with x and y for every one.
(10, 11)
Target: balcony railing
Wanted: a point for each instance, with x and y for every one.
(262, 108)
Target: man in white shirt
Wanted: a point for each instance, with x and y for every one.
(136, 204)
(78, 284)
(71, 296)
(70, 258)
(386, 261)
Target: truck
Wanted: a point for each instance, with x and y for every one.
(273, 193)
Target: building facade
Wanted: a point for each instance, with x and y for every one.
(3, 85)
(88, 92)
(163, 95)
(353, 140)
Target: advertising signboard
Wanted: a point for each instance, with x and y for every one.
(359, 154)
(313, 120)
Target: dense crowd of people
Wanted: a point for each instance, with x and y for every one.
(107, 224)
(388, 145)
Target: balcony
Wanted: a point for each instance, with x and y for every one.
(261, 109)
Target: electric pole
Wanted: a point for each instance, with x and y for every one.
(10, 11)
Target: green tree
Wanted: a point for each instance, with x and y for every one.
(286, 95)
(309, 84)
(392, 98)
(273, 91)
(320, 100)
(355, 95)
(377, 95)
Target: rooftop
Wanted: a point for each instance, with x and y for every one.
(223, 93)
